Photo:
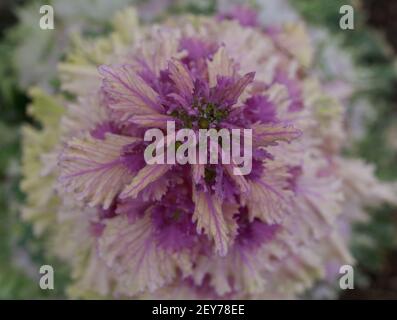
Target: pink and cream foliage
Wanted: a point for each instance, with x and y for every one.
(199, 231)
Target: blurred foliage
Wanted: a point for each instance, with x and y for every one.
(21, 254)
(14, 282)
(12, 101)
(383, 239)
(373, 240)
(204, 7)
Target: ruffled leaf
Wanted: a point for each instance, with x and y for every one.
(268, 134)
(93, 170)
(131, 251)
(209, 216)
(220, 65)
(127, 92)
(144, 178)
